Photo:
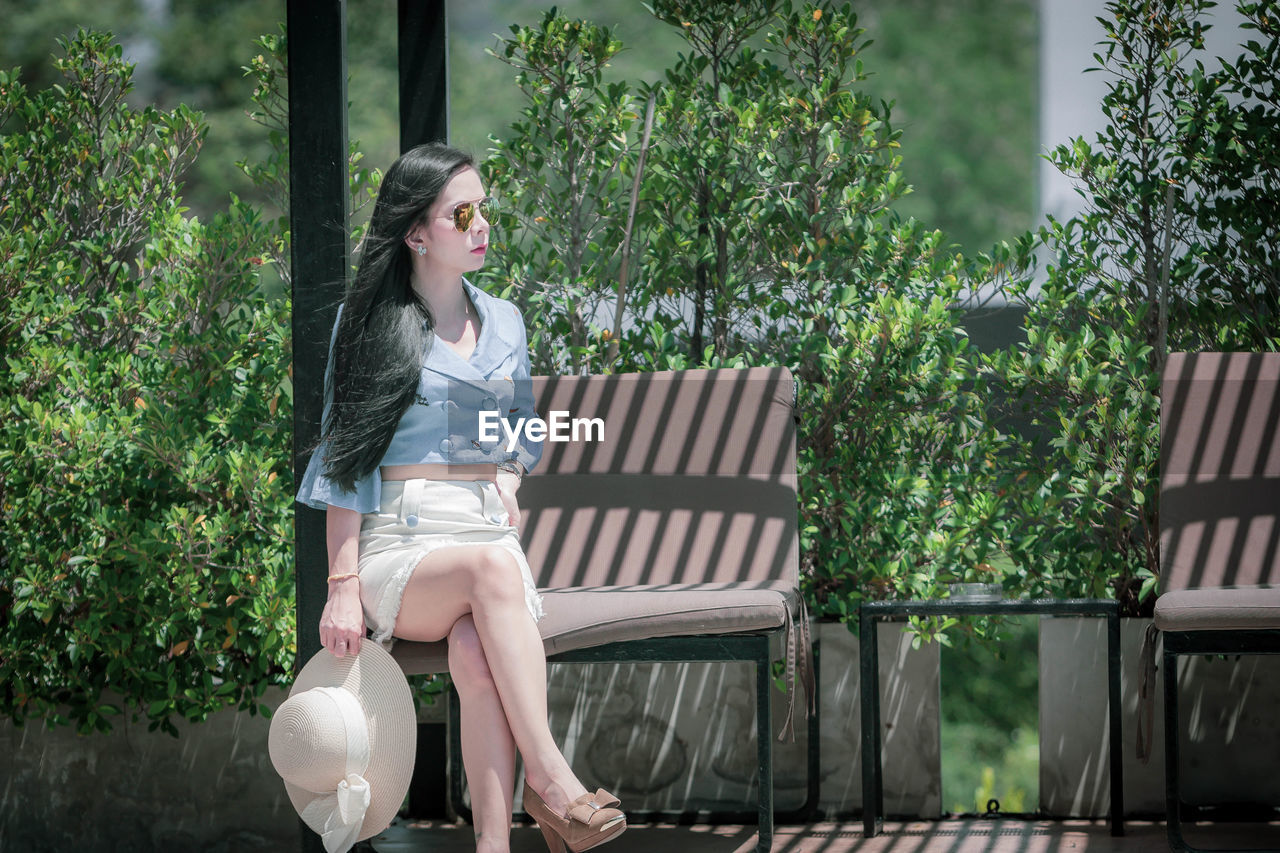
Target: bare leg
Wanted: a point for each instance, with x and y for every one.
(488, 750)
(485, 581)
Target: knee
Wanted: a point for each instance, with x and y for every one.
(497, 577)
(468, 666)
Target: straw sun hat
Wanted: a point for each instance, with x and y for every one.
(344, 743)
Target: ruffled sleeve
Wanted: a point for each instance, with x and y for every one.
(318, 491)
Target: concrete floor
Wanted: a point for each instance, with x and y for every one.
(946, 836)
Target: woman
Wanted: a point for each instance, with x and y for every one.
(422, 516)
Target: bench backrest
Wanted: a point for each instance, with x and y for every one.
(693, 482)
(1220, 470)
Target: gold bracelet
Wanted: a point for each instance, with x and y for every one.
(343, 577)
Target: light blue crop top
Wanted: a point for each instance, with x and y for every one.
(443, 424)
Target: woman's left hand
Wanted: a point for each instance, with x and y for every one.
(508, 483)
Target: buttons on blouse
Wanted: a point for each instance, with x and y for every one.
(445, 445)
(450, 405)
(491, 402)
(412, 521)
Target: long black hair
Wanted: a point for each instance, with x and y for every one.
(385, 328)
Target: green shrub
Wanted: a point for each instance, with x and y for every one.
(146, 499)
(764, 234)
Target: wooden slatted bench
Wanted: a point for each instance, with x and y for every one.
(672, 539)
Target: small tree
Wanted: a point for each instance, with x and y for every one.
(766, 234)
(144, 495)
(561, 172)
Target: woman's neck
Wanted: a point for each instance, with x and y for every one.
(443, 295)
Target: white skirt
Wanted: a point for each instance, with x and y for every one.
(415, 518)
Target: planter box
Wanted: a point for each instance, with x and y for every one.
(675, 735)
(211, 789)
(910, 719)
(682, 736)
(1230, 738)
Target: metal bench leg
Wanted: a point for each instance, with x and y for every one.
(808, 810)
(1172, 742)
(764, 747)
(1172, 770)
(1172, 795)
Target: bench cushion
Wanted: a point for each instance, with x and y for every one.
(692, 480)
(578, 617)
(1219, 609)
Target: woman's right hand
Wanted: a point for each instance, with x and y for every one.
(342, 622)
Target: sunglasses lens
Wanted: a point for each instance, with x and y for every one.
(465, 213)
(462, 216)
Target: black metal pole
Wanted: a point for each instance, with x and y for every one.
(318, 221)
(317, 40)
(424, 73)
(870, 728)
(877, 726)
(1114, 710)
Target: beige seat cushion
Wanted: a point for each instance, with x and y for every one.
(1219, 609)
(579, 618)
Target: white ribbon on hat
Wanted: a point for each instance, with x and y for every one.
(339, 816)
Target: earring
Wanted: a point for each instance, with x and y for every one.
(422, 250)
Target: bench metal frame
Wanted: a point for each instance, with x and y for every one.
(753, 647)
(1225, 642)
(868, 646)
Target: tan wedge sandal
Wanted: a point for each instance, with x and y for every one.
(591, 822)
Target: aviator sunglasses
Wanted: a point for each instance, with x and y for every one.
(465, 213)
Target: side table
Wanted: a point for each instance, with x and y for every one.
(870, 611)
